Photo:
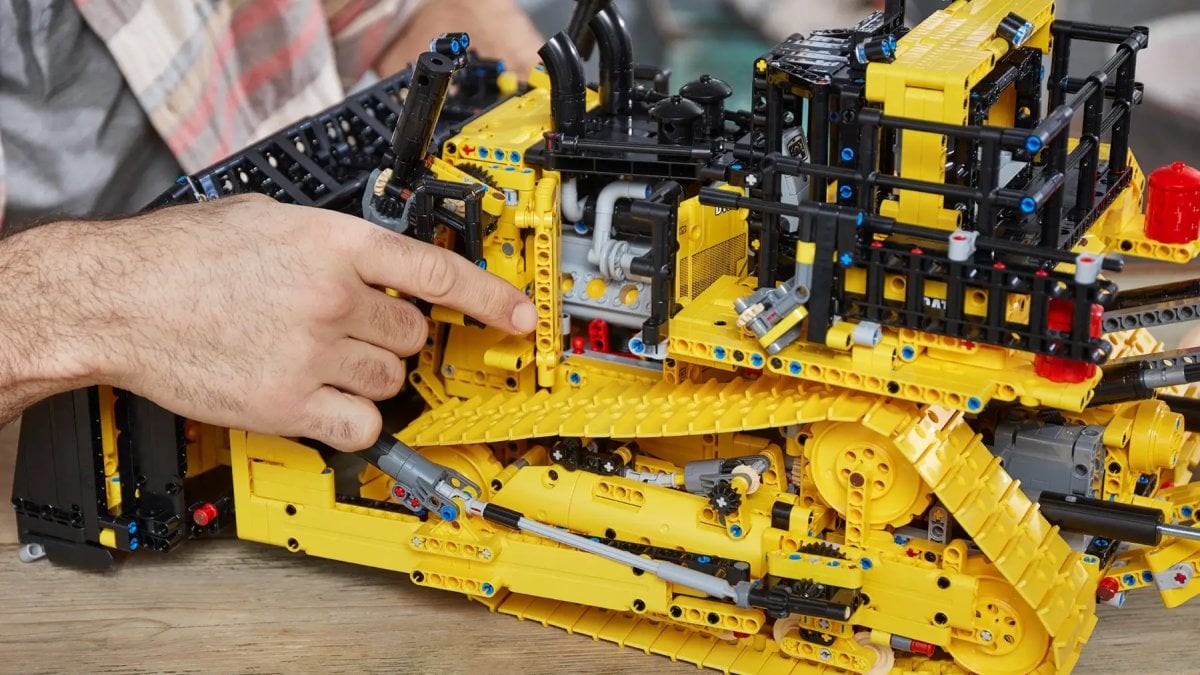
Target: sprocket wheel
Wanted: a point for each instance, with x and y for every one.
(1008, 638)
(822, 549)
(841, 452)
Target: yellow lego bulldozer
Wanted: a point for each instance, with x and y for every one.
(836, 383)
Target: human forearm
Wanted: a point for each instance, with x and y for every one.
(242, 313)
(42, 350)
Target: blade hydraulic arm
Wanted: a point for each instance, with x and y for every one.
(434, 487)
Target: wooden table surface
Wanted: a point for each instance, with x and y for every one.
(233, 606)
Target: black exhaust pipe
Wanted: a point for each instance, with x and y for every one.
(616, 61)
(577, 28)
(568, 91)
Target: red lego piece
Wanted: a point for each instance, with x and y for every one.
(598, 336)
(1058, 369)
(1173, 206)
(204, 514)
(1107, 589)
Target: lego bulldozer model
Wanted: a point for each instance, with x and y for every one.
(836, 383)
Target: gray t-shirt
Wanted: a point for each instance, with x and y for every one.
(75, 140)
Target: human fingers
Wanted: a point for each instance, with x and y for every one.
(390, 323)
(359, 368)
(344, 421)
(443, 278)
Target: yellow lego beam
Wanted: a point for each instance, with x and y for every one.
(906, 364)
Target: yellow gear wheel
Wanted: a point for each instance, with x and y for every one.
(1008, 638)
(839, 454)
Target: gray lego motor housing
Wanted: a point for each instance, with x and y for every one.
(1064, 458)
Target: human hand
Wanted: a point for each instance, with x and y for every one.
(256, 315)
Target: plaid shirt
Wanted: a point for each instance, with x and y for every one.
(216, 75)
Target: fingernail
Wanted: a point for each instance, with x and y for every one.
(524, 317)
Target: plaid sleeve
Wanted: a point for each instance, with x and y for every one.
(363, 29)
(215, 76)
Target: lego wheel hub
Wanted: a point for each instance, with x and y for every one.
(845, 456)
(1008, 638)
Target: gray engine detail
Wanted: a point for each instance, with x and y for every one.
(613, 304)
(1059, 458)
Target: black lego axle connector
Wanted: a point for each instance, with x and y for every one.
(1015, 29)
(453, 45)
(422, 108)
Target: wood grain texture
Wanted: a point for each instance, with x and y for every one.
(8, 458)
(232, 606)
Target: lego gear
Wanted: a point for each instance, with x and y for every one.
(822, 549)
(478, 171)
(724, 499)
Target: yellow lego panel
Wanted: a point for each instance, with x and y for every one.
(936, 66)
(712, 243)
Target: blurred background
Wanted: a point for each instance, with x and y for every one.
(723, 37)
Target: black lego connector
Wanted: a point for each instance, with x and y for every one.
(502, 516)
(616, 62)
(568, 90)
(414, 130)
(453, 45)
(1015, 29)
(659, 211)
(425, 194)
(876, 50)
(658, 77)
